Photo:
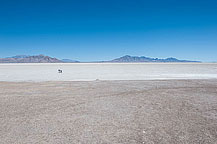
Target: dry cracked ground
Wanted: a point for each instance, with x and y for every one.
(109, 112)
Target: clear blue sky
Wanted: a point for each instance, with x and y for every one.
(90, 30)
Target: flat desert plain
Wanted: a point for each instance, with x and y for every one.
(106, 71)
(128, 104)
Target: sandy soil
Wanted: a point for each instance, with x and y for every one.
(113, 112)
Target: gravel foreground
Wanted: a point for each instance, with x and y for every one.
(109, 112)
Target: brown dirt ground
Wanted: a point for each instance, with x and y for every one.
(113, 112)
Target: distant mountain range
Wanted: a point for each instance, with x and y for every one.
(128, 58)
(47, 59)
(30, 59)
(69, 61)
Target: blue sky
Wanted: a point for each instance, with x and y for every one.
(91, 30)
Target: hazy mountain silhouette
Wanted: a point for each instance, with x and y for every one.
(46, 59)
(128, 58)
(30, 59)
